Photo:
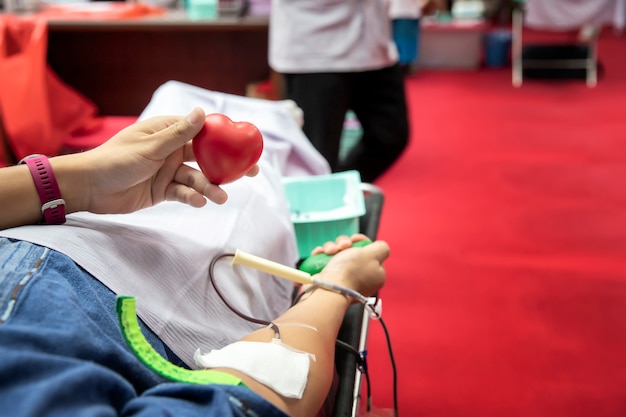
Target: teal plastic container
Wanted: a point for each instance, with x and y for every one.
(202, 9)
(323, 207)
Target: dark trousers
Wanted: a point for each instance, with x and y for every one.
(376, 97)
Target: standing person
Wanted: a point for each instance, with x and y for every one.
(339, 55)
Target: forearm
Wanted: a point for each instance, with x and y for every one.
(310, 326)
(19, 198)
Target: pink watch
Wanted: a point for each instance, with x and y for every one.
(52, 205)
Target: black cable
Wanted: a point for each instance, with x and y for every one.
(362, 364)
(224, 300)
(393, 366)
(365, 372)
(372, 308)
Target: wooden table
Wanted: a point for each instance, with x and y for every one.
(119, 64)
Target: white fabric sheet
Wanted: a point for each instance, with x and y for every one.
(574, 14)
(161, 255)
(286, 146)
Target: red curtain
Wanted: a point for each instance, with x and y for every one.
(39, 111)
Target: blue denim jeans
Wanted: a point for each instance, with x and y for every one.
(62, 352)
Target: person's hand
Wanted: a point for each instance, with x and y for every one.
(360, 269)
(143, 165)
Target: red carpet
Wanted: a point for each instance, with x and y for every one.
(507, 223)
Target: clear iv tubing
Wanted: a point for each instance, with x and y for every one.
(341, 290)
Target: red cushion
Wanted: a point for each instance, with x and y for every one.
(88, 140)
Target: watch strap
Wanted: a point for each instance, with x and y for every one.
(52, 205)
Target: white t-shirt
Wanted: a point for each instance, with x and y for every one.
(405, 9)
(330, 36)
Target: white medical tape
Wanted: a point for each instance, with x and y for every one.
(274, 364)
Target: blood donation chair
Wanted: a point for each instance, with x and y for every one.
(353, 333)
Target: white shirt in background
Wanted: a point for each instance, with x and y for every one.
(330, 36)
(406, 9)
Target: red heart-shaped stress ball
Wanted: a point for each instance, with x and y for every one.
(226, 150)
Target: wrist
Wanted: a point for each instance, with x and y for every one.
(22, 201)
(52, 210)
(328, 296)
(72, 177)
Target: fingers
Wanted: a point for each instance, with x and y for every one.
(180, 132)
(188, 154)
(253, 171)
(191, 187)
(186, 195)
(358, 268)
(183, 194)
(357, 237)
(341, 243)
(379, 250)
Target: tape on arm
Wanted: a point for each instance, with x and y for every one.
(274, 364)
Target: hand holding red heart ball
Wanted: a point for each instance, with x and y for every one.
(226, 150)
